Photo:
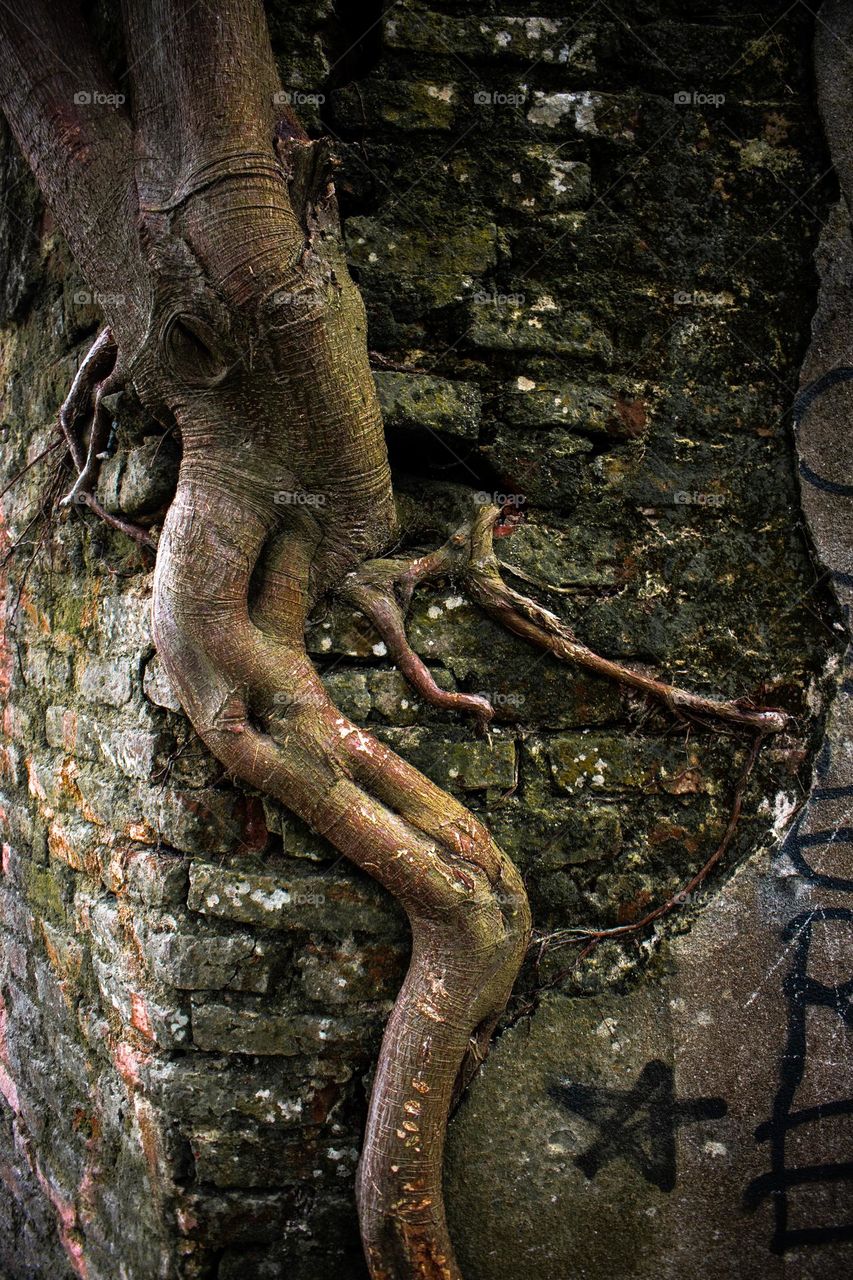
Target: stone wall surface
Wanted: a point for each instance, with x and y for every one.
(585, 239)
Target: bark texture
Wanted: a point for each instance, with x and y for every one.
(214, 247)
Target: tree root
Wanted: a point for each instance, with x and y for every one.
(99, 376)
(236, 670)
(383, 590)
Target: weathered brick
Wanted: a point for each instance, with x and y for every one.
(613, 117)
(226, 1159)
(436, 270)
(229, 1028)
(106, 681)
(132, 751)
(417, 401)
(155, 879)
(458, 766)
(156, 686)
(537, 40)
(236, 962)
(127, 993)
(72, 732)
(198, 821)
(330, 902)
(124, 623)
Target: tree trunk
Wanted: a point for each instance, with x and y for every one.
(229, 303)
(213, 246)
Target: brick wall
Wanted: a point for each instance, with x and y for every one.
(583, 289)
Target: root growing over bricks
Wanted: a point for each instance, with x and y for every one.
(207, 224)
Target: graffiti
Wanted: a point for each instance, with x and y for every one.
(637, 1124)
(804, 992)
(821, 931)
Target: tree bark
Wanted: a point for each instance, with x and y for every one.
(235, 318)
(205, 219)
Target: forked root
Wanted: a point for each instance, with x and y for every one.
(383, 590)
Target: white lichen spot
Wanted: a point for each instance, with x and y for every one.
(715, 1148)
(443, 92)
(326, 643)
(271, 901)
(784, 807)
(525, 384)
(551, 108)
(380, 649)
(537, 28)
(433, 612)
(454, 602)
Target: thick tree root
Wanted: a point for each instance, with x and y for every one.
(464, 898)
(383, 590)
(99, 376)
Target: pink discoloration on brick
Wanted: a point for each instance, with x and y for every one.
(141, 831)
(6, 858)
(69, 1234)
(6, 655)
(128, 1063)
(8, 1088)
(34, 782)
(139, 1017)
(7, 763)
(69, 730)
